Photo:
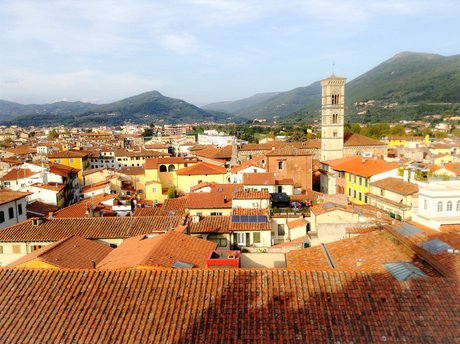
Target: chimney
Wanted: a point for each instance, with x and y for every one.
(195, 218)
(94, 264)
(50, 215)
(36, 221)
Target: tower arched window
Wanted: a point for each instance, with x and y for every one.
(439, 206)
(335, 99)
(163, 168)
(171, 168)
(335, 118)
(458, 205)
(449, 206)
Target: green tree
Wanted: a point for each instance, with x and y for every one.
(440, 135)
(147, 132)
(53, 134)
(172, 192)
(297, 136)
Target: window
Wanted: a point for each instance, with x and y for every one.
(449, 206)
(425, 204)
(349, 177)
(439, 207)
(154, 190)
(140, 191)
(335, 118)
(1, 249)
(10, 213)
(199, 213)
(221, 242)
(360, 181)
(354, 193)
(35, 247)
(216, 213)
(365, 182)
(354, 179)
(113, 245)
(171, 168)
(334, 133)
(2, 216)
(365, 199)
(458, 205)
(71, 160)
(16, 249)
(360, 196)
(349, 192)
(280, 165)
(382, 192)
(335, 99)
(256, 237)
(163, 168)
(281, 231)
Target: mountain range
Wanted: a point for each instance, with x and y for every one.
(149, 107)
(407, 85)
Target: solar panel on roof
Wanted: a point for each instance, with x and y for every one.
(408, 230)
(328, 206)
(236, 218)
(252, 219)
(244, 218)
(404, 271)
(436, 246)
(261, 219)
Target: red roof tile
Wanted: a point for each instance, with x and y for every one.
(259, 178)
(71, 252)
(201, 168)
(80, 209)
(210, 224)
(223, 305)
(367, 167)
(159, 251)
(19, 173)
(89, 227)
(7, 196)
(252, 195)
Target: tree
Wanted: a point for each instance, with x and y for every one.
(297, 136)
(171, 192)
(147, 132)
(53, 134)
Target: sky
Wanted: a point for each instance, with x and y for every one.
(205, 51)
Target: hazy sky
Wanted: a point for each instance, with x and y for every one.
(206, 50)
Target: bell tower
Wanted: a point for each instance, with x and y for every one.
(332, 117)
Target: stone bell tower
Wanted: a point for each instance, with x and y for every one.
(332, 117)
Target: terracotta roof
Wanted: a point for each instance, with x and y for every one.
(287, 151)
(453, 167)
(69, 154)
(210, 224)
(285, 181)
(327, 207)
(215, 153)
(365, 252)
(21, 150)
(360, 230)
(38, 208)
(297, 223)
(95, 186)
(7, 196)
(162, 250)
(336, 163)
(177, 205)
(19, 173)
(52, 186)
(224, 305)
(79, 209)
(156, 146)
(208, 200)
(259, 178)
(249, 211)
(352, 139)
(71, 252)
(396, 185)
(132, 170)
(252, 195)
(367, 167)
(261, 147)
(154, 211)
(201, 168)
(62, 170)
(89, 227)
(195, 148)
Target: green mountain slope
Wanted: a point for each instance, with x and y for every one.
(149, 107)
(409, 82)
(232, 107)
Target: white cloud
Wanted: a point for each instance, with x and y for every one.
(183, 43)
(85, 85)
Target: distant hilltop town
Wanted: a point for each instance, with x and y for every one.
(256, 232)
